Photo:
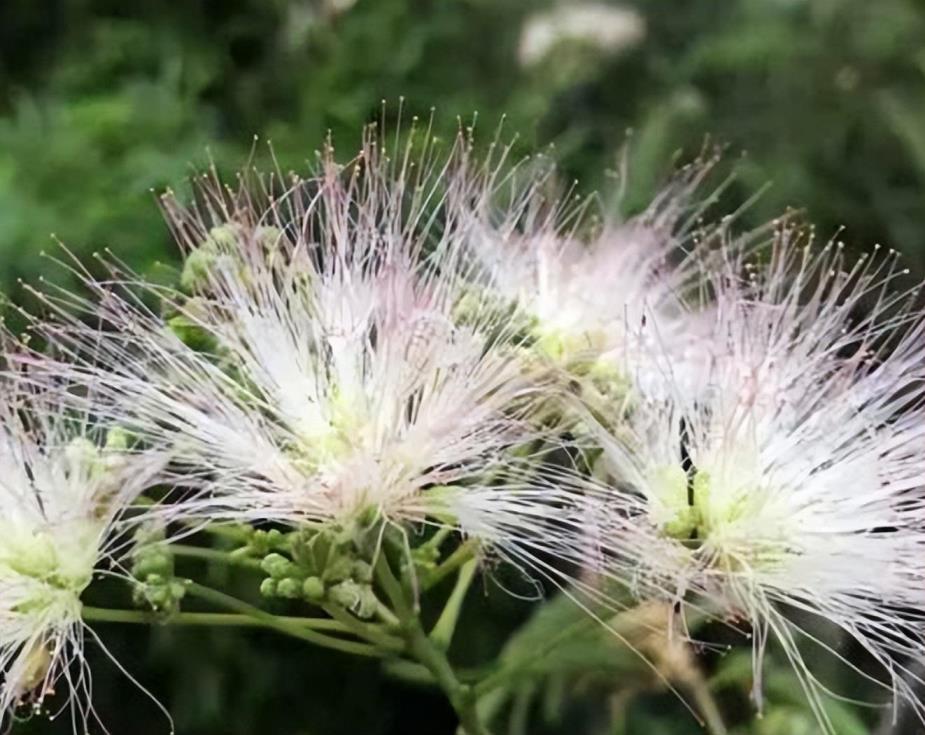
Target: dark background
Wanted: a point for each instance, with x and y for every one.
(101, 102)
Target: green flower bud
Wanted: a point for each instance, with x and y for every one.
(158, 597)
(152, 562)
(177, 590)
(278, 566)
(340, 568)
(223, 237)
(262, 542)
(468, 308)
(268, 587)
(191, 334)
(313, 589)
(608, 379)
(701, 489)
(359, 599)
(362, 572)
(683, 524)
(275, 537)
(196, 268)
(161, 594)
(290, 588)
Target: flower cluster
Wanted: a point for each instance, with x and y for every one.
(731, 424)
(787, 475)
(65, 488)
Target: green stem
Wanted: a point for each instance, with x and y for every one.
(441, 535)
(491, 704)
(410, 672)
(141, 617)
(463, 553)
(520, 711)
(423, 649)
(415, 673)
(283, 626)
(386, 615)
(392, 588)
(442, 632)
(207, 554)
(371, 633)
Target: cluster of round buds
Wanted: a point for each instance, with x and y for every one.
(153, 570)
(322, 566)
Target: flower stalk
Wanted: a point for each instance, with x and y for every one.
(442, 632)
(461, 696)
(282, 625)
(217, 619)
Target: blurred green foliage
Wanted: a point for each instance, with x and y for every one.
(103, 101)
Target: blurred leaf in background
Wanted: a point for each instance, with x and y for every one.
(102, 101)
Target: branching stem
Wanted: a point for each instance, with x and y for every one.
(460, 695)
(215, 555)
(463, 553)
(442, 632)
(282, 625)
(141, 617)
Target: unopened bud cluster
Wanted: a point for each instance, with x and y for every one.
(156, 586)
(321, 567)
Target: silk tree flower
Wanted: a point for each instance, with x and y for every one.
(790, 484)
(62, 497)
(596, 295)
(336, 381)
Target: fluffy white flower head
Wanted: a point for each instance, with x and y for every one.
(792, 479)
(337, 379)
(60, 496)
(594, 292)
